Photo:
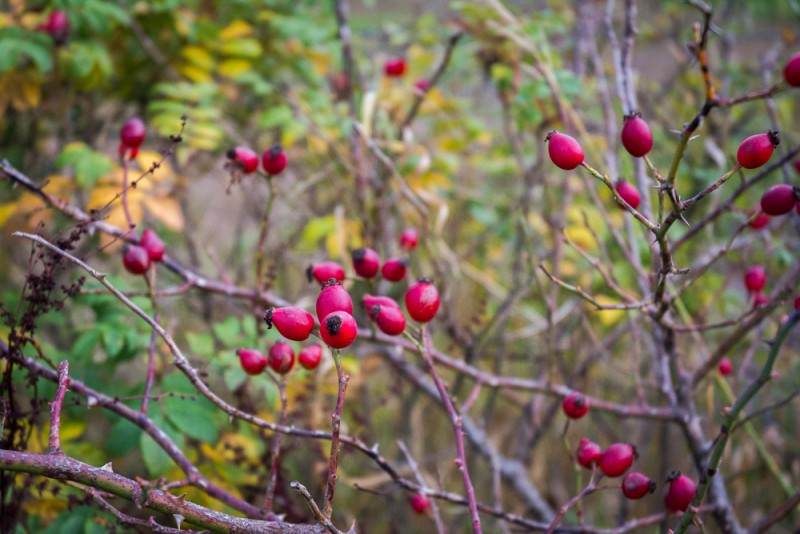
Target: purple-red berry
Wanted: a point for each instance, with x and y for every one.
(292, 323)
(575, 405)
(394, 269)
(338, 329)
(617, 459)
(310, 356)
(422, 300)
(57, 25)
(755, 278)
(636, 485)
(152, 244)
(274, 160)
(636, 135)
(760, 221)
(778, 199)
(791, 72)
(565, 151)
(725, 366)
(244, 158)
(422, 85)
(253, 362)
(322, 272)
(588, 453)
(394, 67)
(136, 259)
(628, 193)
(409, 239)
(680, 492)
(370, 301)
(131, 137)
(420, 503)
(390, 320)
(797, 303)
(366, 262)
(281, 357)
(333, 297)
(760, 299)
(756, 150)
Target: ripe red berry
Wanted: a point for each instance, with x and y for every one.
(588, 453)
(756, 150)
(310, 356)
(292, 323)
(245, 158)
(725, 366)
(679, 493)
(135, 259)
(420, 503)
(131, 137)
(281, 357)
(791, 72)
(797, 303)
(575, 405)
(760, 221)
(636, 135)
(409, 239)
(322, 272)
(338, 329)
(565, 152)
(635, 485)
(152, 244)
(370, 301)
(755, 278)
(760, 299)
(778, 199)
(616, 459)
(628, 193)
(253, 362)
(333, 297)
(395, 67)
(366, 262)
(57, 25)
(422, 300)
(274, 160)
(394, 269)
(390, 321)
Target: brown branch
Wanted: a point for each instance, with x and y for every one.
(336, 420)
(55, 409)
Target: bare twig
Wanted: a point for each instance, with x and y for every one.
(55, 409)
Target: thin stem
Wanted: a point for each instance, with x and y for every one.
(322, 518)
(336, 419)
(276, 448)
(262, 237)
(151, 347)
(590, 488)
(124, 199)
(55, 409)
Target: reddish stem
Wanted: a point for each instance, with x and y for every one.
(336, 418)
(276, 448)
(151, 347)
(55, 409)
(124, 198)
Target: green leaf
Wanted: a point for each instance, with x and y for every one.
(276, 116)
(17, 44)
(123, 438)
(113, 341)
(247, 47)
(195, 418)
(83, 348)
(228, 331)
(234, 376)
(155, 459)
(200, 343)
(89, 165)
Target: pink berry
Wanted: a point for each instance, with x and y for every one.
(292, 323)
(760, 221)
(420, 503)
(390, 321)
(395, 67)
(338, 329)
(725, 366)
(421, 85)
(616, 459)
(366, 262)
(755, 278)
(370, 301)
(410, 237)
(57, 26)
(322, 272)
(136, 259)
(778, 199)
(245, 158)
(760, 299)
(281, 357)
(791, 72)
(636, 135)
(333, 297)
(274, 160)
(132, 133)
(310, 356)
(253, 362)
(588, 453)
(152, 244)
(679, 493)
(629, 194)
(422, 300)
(565, 152)
(756, 150)
(636, 485)
(575, 405)
(394, 269)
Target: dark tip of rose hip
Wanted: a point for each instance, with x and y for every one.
(275, 151)
(334, 324)
(310, 273)
(231, 154)
(424, 280)
(550, 134)
(774, 137)
(632, 115)
(268, 317)
(635, 451)
(673, 475)
(403, 262)
(359, 254)
(375, 311)
(651, 486)
(331, 282)
(579, 401)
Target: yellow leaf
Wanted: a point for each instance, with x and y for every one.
(320, 60)
(235, 30)
(6, 211)
(232, 68)
(608, 317)
(242, 47)
(580, 236)
(198, 56)
(195, 74)
(166, 210)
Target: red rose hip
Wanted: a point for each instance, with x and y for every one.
(636, 135)
(588, 453)
(725, 366)
(338, 329)
(152, 244)
(679, 493)
(333, 297)
(791, 72)
(252, 361)
(409, 239)
(390, 321)
(366, 262)
(760, 221)
(310, 356)
(616, 459)
(322, 272)
(131, 137)
(136, 259)
(575, 405)
(274, 160)
(394, 269)
(292, 323)
(565, 152)
(394, 67)
(370, 301)
(755, 278)
(756, 150)
(636, 485)
(281, 357)
(422, 300)
(628, 193)
(420, 503)
(778, 199)
(245, 158)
